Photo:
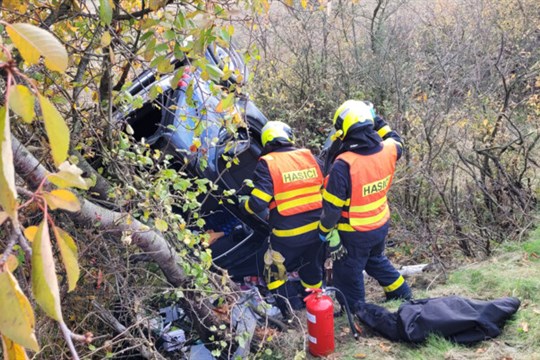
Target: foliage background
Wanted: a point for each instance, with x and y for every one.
(459, 79)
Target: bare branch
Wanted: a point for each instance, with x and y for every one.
(145, 352)
(28, 167)
(67, 336)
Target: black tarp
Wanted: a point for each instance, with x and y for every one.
(461, 320)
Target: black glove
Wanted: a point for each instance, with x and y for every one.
(335, 248)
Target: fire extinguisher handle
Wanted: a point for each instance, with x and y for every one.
(312, 293)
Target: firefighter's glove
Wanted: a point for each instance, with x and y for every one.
(335, 247)
(275, 273)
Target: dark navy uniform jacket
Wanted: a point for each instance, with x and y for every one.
(261, 197)
(338, 188)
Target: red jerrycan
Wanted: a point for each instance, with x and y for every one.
(320, 323)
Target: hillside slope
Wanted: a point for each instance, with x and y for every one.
(513, 271)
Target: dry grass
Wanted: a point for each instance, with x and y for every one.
(514, 271)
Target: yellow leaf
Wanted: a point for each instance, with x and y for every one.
(76, 5)
(68, 249)
(57, 130)
(161, 225)
(13, 351)
(21, 101)
(68, 176)
(32, 41)
(111, 55)
(304, 3)
(44, 281)
(266, 5)
(17, 5)
(16, 315)
(3, 217)
(62, 199)
(156, 4)
(105, 39)
(8, 194)
(30, 233)
(12, 263)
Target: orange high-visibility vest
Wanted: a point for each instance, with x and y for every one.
(371, 177)
(297, 181)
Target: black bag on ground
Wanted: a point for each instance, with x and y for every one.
(457, 319)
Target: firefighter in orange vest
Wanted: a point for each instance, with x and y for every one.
(288, 182)
(355, 204)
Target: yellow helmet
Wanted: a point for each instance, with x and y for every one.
(276, 130)
(353, 114)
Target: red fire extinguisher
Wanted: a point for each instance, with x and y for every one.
(320, 319)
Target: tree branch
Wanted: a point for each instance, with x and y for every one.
(33, 173)
(148, 240)
(145, 352)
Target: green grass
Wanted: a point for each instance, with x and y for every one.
(513, 271)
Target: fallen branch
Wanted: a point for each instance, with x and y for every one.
(151, 242)
(412, 269)
(108, 318)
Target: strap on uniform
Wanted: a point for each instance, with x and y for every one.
(275, 273)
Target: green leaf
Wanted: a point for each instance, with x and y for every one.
(226, 103)
(165, 66)
(21, 101)
(57, 130)
(161, 225)
(214, 72)
(32, 41)
(105, 11)
(69, 176)
(158, 60)
(16, 315)
(154, 92)
(169, 35)
(8, 193)
(68, 249)
(44, 281)
(62, 199)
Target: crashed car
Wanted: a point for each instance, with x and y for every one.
(184, 122)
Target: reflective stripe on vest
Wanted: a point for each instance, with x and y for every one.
(371, 177)
(297, 181)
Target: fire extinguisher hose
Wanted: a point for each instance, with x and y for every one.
(347, 309)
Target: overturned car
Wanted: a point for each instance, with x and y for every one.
(186, 121)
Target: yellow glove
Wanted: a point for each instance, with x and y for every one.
(275, 273)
